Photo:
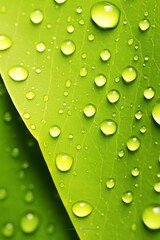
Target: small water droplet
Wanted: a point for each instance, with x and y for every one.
(70, 28)
(30, 95)
(68, 47)
(3, 193)
(127, 197)
(105, 55)
(29, 223)
(130, 41)
(135, 57)
(18, 73)
(135, 172)
(133, 143)
(26, 116)
(151, 216)
(15, 153)
(138, 115)
(79, 10)
(144, 24)
(143, 129)
(8, 230)
(108, 127)
(105, 15)
(64, 162)
(121, 153)
(91, 37)
(89, 110)
(50, 228)
(113, 96)
(156, 113)
(40, 47)
(55, 131)
(5, 42)
(129, 74)
(149, 93)
(100, 80)
(29, 197)
(83, 72)
(60, 1)
(36, 16)
(110, 183)
(82, 209)
(157, 187)
(7, 117)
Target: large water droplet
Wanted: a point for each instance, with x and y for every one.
(18, 73)
(89, 110)
(64, 162)
(105, 14)
(110, 183)
(151, 216)
(82, 209)
(5, 42)
(8, 230)
(129, 74)
(113, 96)
(29, 223)
(108, 127)
(55, 131)
(133, 143)
(68, 47)
(144, 24)
(105, 55)
(149, 93)
(100, 80)
(156, 113)
(127, 197)
(36, 16)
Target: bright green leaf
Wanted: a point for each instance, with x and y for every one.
(87, 95)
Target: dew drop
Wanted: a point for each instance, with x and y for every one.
(135, 172)
(138, 115)
(7, 117)
(82, 209)
(60, 1)
(121, 153)
(29, 197)
(144, 25)
(79, 10)
(26, 116)
(151, 216)
(91, 37)
(40, 47)
(143, 129)
(149, 93)
(133, 143)
(29, 223)
(129, 74)
(64, 162)
(55, 131)
(15, 153)
(113, 96)
(89, 110)
(3, 193)
(105, 55)
(50, 228)
(70, 28)
(157, 187)
(156, 113)
(110, 183)
(68, 47)
(130, 41)
(100, 80)
(105, 15)
(68, 84)
(127, 197)
(135, 57)
(30, 95)
(5, 42)
(18, 73)
(83, 72)
(108, 127)
(8, 230)
(36, 16)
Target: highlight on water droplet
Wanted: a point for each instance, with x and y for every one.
(144, 25)
(129, 74)
(108, 127)
(105, 55)
(151, 216)
(55, 131)
(3, 193)
(40, 47)
(60, 1)
(29, 223)
(68, 47)
(105, 14)
(127, 197)
(18, 73)
(36, 16)
(149, 93)
(64, 162)
(100, 80)
(82, 209)
(156, 113)
(5, 42)
(89, 110)
(8, 230)
(133, 143)
(113, 96)
(110, 183)
(157, 187)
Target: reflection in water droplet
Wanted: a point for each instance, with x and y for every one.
(156, 113)
(8, 230)
(5, 42)
(135, 172)
(149, 93)
(82, 209)
(105, 15)
(113, 96)
(144, 24)
(40, 47)
(133, 143)
(100, 80)
(3, 193)
(127, 197)
(129, 74)
(29, 223)
(157, 187)
(105, 55)
(110, 183)
(89, 110)
(64, 162)
(108, 127)
(18, 73)
(68, 47)
(151, 216)
(36, 16)
(83, 72)
(55, 131)
(30, 95)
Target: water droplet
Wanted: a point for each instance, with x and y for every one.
(18, 73)
(79, 10)
(133, 143)
(138, 115)
(15, 153)
(55, 131)
(105, 55)
(68, 47)
(70, 28)
(149, 93)
(129, 74)
(100, 80)
(83, 72)
(36, 16)
(108, 127)
(29, 223)
(91, 37)
(105, 15)
(82, 209)
(144, 25)
(89, 110)
(50, 228)
(8, 230)
(121, 153)
(130, 41)
(157, 187)
(151, 216)
(5, 42)
(68, 84)
(40, 47)
(7, 117)
(29, 197)
(135, 172)
(135, 57)
(127, 197)
(60, 1)
(30, 95)
(26, 115)
(3, 193)
(143, 129)
(110, 183)
(156, 113)
(113, 96)
(64, 162)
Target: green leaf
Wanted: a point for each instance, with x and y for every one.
(25, 186)
(58, 84)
